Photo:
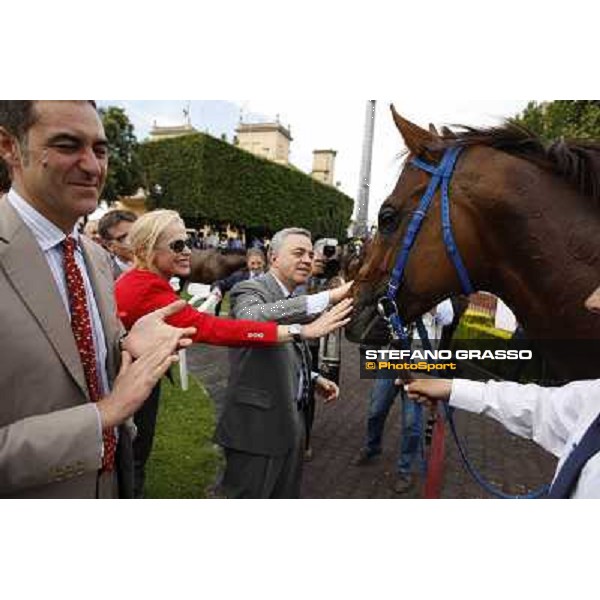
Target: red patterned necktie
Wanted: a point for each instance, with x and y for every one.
(82, 330)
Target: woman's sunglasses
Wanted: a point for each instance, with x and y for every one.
(178, 246)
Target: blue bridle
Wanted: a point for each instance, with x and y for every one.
(440, 178)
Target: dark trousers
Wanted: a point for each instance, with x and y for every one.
(309, 408)
(259, 476)
(145, 421)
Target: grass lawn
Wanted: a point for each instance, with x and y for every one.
(225, 306)
(184, 461)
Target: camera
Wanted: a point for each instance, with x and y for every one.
(329, 249)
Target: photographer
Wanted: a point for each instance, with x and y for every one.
(328, 251)
(325, 352)
(326, 276)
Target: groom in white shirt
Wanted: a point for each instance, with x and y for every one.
(565, 421)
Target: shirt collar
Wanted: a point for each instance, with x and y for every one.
(47, 234)
(284, 289)
(124, 266)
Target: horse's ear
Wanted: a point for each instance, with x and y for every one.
(417, 139)
(433, 131)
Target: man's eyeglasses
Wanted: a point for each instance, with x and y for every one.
(178, 246)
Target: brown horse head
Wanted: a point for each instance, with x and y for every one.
(525, 220)
(208, 266)
(429, 276)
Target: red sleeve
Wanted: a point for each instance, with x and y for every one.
(138, 296)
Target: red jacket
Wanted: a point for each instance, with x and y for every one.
(139, 292)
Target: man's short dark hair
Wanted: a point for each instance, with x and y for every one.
(17, 116)
(111, 219)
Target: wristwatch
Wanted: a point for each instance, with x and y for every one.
(295, 331)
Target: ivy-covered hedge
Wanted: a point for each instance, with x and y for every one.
(207, 179)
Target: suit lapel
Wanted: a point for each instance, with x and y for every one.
(26, 267)
(277, 294)
(274, 288)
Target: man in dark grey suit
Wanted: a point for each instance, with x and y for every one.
(261, 427)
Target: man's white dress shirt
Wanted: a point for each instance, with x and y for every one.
(555, 418)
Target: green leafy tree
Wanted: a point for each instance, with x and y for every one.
(573, 119)
(125, 170)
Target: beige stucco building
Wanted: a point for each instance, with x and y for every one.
(323, 165)
(269, 140)
(160, 133)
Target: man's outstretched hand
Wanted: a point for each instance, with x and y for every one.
(329, 321)
(429, 390)
(134, 384)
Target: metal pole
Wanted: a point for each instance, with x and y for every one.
(362, 215)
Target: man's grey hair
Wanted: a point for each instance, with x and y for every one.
(280, 237)
(255, 252)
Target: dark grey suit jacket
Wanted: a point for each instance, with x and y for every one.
(260, 410)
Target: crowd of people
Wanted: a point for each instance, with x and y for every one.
(93, 325)
(215, 239)
(96, 351)
(222, 241)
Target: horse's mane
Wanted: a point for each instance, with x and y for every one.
(577, 161)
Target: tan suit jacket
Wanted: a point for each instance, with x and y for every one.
(49, 440)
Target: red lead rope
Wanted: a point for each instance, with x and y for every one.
(435, 462)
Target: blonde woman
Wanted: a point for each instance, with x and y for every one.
(161, 251)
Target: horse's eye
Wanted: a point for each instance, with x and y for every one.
(388, 220)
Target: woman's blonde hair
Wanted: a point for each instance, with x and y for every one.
(144, 234)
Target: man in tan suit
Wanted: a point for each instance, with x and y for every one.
(52, 436)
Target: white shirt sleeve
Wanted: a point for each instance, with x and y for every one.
(317, 303)
(547, 416)
(100, 439)
(444, 313)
